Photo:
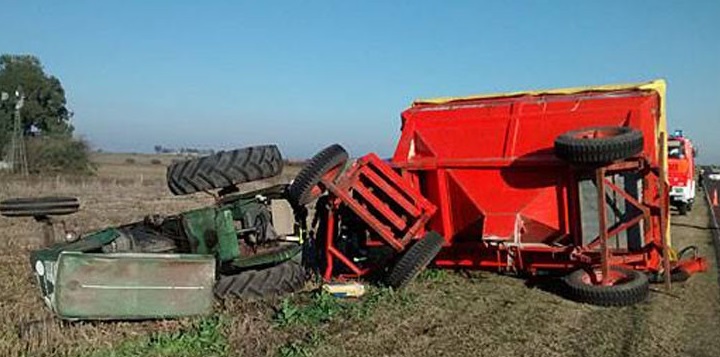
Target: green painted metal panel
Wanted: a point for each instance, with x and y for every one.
(278, 255)
(200, 229)
(227, 247)
(212, 231)
(90, 242)
(132, 285)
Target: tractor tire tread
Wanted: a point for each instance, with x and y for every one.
(417, 257)
(300, 190)
(39, 206)
(277, 280)
(223, 169)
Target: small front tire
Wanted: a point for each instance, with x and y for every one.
(598, 145)
(415, 259)
(627, 287)
(39, 206)
(307, 185)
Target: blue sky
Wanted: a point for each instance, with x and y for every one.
(308, 73)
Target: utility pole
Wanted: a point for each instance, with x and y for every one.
(17, 154)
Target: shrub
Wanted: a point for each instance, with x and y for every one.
(156, 162)
(58, 154)
(130, 160)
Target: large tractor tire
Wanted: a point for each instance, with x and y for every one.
(307, 186)
(599, 145)
(255, 284)
(39, 206)
(628, 287)
(412, 262)
(224, 169)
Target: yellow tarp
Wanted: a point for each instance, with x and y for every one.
(657, 85)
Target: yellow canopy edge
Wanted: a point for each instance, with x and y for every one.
(657, 85)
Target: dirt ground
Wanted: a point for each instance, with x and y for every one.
(441, 314)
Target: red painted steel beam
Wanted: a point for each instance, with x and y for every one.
(392, 192)
(628, 198)
(382, 207)
(379, 228)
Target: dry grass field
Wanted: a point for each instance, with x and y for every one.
(441, 314)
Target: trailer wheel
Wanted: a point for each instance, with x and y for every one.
(598, 145)
(627, 287)
(223, 169)
(39, 206)
(327, 164)
(273, 281)
(683, 209)
(417, 257)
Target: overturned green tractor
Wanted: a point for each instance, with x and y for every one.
(247, 245)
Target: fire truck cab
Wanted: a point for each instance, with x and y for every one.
(681, 172)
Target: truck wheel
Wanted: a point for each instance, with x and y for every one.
(599, 145)
(327, 164)
(39, 206)
(276, 280)
(627, 287)
(417, 257)
(683, 209)
(223, 169)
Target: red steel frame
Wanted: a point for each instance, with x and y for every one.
(504, 200)
(366, 188)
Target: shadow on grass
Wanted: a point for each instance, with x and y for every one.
(552, 284)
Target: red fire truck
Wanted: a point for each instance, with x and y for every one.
(681, 172)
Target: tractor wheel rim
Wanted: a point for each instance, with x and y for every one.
(595, 277)
(599, 133)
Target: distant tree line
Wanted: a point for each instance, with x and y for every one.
(159, 149)
(45, 117)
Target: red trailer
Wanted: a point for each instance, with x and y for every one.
(562, 181)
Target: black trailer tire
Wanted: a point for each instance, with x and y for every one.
(223, 169)
(412, 262)
(598, 145)
(277, 280)
(327, 163)
(634, 288)
(39, 206)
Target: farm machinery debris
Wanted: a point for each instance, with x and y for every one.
(569, 181)
(566, 182)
